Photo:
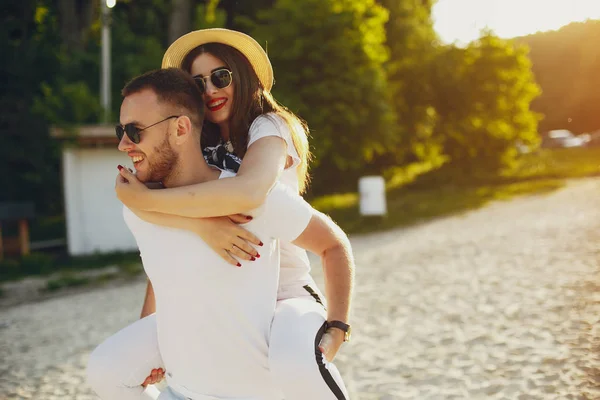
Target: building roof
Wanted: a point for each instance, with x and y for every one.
(87, 135)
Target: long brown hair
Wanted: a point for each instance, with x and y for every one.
(250, 100)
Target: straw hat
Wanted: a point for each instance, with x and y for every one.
(249, 47)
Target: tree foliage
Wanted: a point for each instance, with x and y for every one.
(483, 98)
(28, 157)
(328, 57)
(376, 88)
(413, 47)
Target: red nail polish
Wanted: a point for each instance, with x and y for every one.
(119, 167)
(260, 244)
(253, 259)
(239, 265)
(248, 217)
(257, 255)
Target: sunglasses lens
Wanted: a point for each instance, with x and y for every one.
(221, 78)
(133, 133)
(201, 84)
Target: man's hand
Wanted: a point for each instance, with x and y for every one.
(331, 342)
(156, 375)
(130, 190)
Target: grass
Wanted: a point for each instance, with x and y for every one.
(74, 278)
(67, 280)
(421, 192)
(42, 264)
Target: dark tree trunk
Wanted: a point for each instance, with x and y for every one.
(229, 7)
(75, 19)
(180, 21)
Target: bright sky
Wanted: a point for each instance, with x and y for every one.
(461, 20)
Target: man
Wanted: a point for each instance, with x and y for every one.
(211, 326)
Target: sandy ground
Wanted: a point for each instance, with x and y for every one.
(499, 303)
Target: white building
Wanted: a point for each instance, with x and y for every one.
(93, 213)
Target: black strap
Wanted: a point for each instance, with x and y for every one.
(329, 380)
(313, 294)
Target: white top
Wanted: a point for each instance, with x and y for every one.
(214, 319)
(295, 265)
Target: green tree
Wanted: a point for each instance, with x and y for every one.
(483, 99)
(413, 47)
(29, 157)
(328, 57)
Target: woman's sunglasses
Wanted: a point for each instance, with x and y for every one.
(133, 132)
(220, 78)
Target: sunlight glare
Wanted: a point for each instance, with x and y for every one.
(461, 20)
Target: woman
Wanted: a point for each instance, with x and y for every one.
(243, 120)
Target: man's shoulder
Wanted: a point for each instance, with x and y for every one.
(283, 196)
(127, 213)
(286, 213)
(134, 222)
(130, 218)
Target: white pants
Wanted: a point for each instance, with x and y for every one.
(118, 366)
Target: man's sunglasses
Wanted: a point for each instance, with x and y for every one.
(133, 132)
(221, 78)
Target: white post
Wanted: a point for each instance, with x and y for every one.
(105, 70)
(372, 196)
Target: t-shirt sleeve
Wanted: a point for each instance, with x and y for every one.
(273, 125)
(285, 213)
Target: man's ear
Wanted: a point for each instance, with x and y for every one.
(184, 129)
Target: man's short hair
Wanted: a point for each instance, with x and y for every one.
(172, 86)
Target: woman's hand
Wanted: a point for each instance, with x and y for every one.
(228, 239)
(222, 234)
(130, 190)
(331, 342)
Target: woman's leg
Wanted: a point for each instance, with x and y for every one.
(118, 367)
(297, 365)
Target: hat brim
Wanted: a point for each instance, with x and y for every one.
(246, 45)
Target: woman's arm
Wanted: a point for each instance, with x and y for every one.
(222, 234)
(264, 161)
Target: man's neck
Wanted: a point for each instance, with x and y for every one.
(191, 169)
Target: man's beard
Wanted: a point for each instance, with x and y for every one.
(164, 161)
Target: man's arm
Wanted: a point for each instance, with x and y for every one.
(324, 238)
(290, 218)
(149, 306)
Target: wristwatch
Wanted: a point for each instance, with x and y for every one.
(343, 327)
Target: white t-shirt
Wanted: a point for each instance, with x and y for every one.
(214, 319)
(295, 265)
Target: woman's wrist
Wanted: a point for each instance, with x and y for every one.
(149, 200)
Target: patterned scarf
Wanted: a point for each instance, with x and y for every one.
(219, 157)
